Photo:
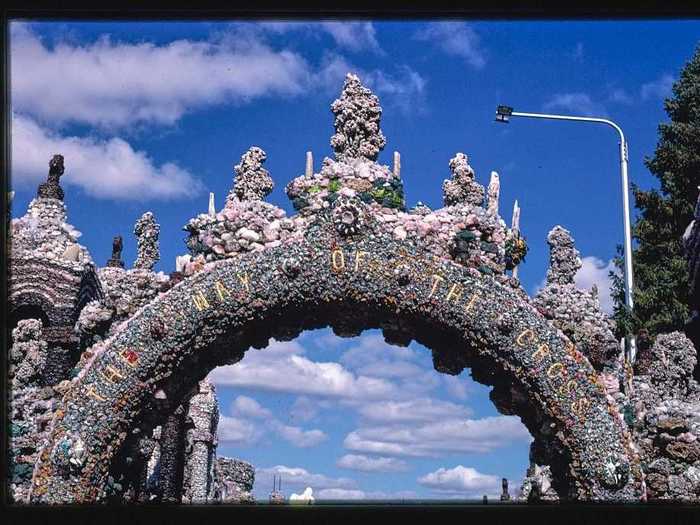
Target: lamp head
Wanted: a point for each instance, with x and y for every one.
(503, 114)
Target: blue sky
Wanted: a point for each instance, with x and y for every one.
(152, 116)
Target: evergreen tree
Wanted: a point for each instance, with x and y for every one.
(660, 271)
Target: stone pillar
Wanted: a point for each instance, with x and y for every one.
(172, 453)
(493, 193)
(63, 353)
(152, 486)
(145, 448)
(309, 171)
(505, 496)
(147, 231)
(212, 206)
(515, 226)
(564, 259)
(397, 164)
(202, 420)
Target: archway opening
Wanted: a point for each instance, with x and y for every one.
(26, 311)
(326, 340)
(359, 419)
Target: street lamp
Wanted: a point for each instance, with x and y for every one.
(503, 114)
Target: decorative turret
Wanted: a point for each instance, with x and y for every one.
(147, 231)
(462, 188)
(576, 312)
(51, 189)
(564, 259)
(354, 179)
(116, 260)
(252, 182)
(357, 117)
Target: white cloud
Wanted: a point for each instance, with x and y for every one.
(306, 496)
(341, 494)
(620, 96)
(419, 409)
(300, 477)
(115, 84)
(594, 271)
(357, 494)
(354, 36)
(299, 375)
(237, 431)
(438, 438)
(304, 409)
(370, 347)
(371, 464)
(390, 369)
(244, 406)
(249, 407)
(456, 386)
(455, 38)
(659, 88)
(461, 480)
(374, 357)
(578, 103)
(102, 168)
(297, 436)
(403, 88)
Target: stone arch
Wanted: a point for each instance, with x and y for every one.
(31, 307)
(211, 318)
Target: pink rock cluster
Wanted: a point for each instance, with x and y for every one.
(242, 226)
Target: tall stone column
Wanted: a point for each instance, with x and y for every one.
(172, 451)
(200, 449)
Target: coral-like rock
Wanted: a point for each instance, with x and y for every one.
(147, 231)
(576, 312)
(357, 118)
(253, 182)
(462, 188)
(28, 353)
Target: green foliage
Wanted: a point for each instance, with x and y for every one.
(388, 193)
(516, 249)
(334, 185)
(660, 271)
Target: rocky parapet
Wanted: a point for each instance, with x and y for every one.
(576, 312)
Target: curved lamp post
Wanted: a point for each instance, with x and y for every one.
(503, 114)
